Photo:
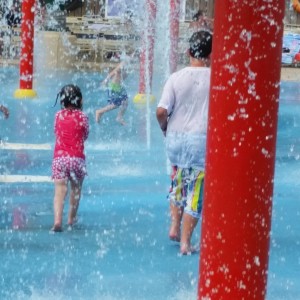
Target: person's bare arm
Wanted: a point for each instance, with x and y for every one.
(162, 118)
(208, 23)
(5, 111)
(115, 72)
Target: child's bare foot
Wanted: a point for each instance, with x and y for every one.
(98, 115)
(187, 249)
(56, 228)
(174, 233)
(73, 225)
(121, 121)
(73, 222)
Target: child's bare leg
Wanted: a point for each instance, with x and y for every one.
(176, 216)
(61, 188)
(75, 195)
(188, 225)
(100, 112)
(121, 113)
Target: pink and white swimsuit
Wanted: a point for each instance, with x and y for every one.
(71, 128)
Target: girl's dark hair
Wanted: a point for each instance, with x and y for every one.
(70, 96)
(200, 44)
(197, 15)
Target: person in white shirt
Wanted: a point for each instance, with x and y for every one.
(182, 116)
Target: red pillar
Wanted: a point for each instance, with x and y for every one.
(26, 59)
(241, 149)
(147, 54)
(174, 34)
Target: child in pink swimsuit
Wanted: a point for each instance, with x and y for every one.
(71, 129)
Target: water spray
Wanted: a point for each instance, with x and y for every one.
(147, 56)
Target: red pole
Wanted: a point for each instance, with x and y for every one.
(147, 53)
(174, 34)
(241, 149)
(26, 59)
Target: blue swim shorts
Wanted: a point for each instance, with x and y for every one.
(117, 97)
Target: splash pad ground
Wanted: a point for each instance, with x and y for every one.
(120, 248)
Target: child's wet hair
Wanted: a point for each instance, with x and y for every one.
(70, 96)
(197, 15)
(200, 44)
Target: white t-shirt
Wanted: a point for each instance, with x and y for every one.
(185, 96)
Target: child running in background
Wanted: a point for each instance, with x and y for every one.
(201, 22)
(71, 129)
(117, 95)
(5, 111)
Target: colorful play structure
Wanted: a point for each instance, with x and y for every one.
(241, 149)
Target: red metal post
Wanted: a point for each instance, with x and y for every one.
(241, 148)
(147, 52)
(174, 34)
(26, 59)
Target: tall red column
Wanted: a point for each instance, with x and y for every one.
(174, 34)
(241, 148)
(147, 54)
(26, 59)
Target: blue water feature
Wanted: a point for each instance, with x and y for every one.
(120, 248)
